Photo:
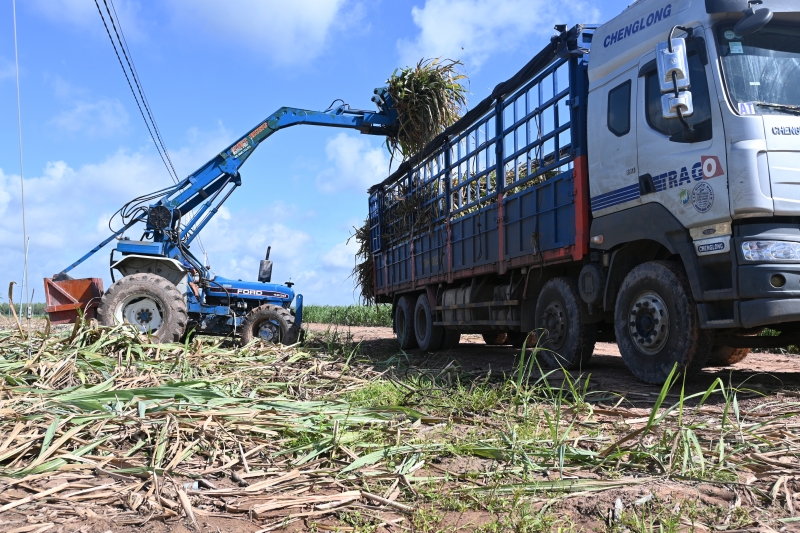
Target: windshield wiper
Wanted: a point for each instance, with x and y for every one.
(780, 107)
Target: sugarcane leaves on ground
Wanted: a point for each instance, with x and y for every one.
(110, 423)
(429, 97)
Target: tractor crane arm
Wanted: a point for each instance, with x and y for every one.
(213, 183)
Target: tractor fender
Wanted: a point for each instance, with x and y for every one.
(170, 269)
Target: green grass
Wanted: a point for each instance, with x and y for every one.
(350, 315)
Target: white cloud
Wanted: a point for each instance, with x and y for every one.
(342, 255)
(102, 118)
(285, 31)
(473, 30)
(356, 164)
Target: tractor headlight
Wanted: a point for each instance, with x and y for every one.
(771, 251)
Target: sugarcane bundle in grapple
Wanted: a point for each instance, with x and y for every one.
(428, 98)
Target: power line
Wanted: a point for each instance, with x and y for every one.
(126, 52)
(25, 285)
(123, 45)
(158, 148)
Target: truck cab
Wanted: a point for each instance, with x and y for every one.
(721, 196)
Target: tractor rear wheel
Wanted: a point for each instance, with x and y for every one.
(271, 324)
(149, 302)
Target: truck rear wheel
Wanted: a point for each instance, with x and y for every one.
(727, 355)
(429, 337)
(404, 323)
(656, 323)
(567, 340)
(149, 302)
(271, 324)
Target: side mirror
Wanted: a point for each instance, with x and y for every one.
(673, 76)
(754, 20)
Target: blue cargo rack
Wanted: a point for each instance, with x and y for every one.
(445, 215)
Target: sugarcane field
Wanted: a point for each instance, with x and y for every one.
(542, 275)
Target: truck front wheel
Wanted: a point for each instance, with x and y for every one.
(149, 302)
(567, 340)
(270, 323)
(404, 323)
(656, 323)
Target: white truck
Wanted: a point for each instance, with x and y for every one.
(637, 181)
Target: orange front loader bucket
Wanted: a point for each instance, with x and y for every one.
(65, 298)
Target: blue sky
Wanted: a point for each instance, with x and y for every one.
(211, 71)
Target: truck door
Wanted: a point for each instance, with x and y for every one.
(612, 145)
(685, 174)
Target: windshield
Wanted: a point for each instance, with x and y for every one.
(762, 70)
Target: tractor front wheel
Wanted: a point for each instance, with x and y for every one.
(270, 323)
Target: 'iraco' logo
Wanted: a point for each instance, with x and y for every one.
(786, 130)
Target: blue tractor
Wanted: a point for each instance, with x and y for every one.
(164, 290)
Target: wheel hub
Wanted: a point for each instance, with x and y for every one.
(141, 311)
(269, 331)
(649, 322)
(554, 321)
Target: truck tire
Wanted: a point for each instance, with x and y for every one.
(450, 339)
(429, 337)
(567, 340)
(270, 323)
(727, 355)
(149, 302)
(657, 325)
(495, 339)
(404, 323)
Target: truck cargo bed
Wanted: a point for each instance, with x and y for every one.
(445, 215)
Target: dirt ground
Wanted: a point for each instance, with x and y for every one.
(761, 373)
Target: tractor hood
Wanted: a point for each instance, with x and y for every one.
(250, 289)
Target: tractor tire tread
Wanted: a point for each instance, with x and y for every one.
(176, 314)
(290, 337)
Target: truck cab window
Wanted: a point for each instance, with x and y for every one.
(619, 109)
(701, 119)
